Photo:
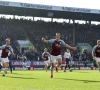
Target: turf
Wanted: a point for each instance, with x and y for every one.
(40, 80)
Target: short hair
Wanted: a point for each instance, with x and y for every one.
(98, 40)
(58, 33)
(45, 49)
(7, 39)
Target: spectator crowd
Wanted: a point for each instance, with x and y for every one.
(16, 29)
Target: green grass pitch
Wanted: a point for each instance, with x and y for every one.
(40, 80)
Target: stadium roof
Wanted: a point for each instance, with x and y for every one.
(37, 10)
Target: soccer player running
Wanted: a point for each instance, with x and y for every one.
(56, 49)
(4, 56)
(24, 58)
(67, 56)
(96, 53)
(46, 58)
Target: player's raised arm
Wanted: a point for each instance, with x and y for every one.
(44, 40)
(70, 47)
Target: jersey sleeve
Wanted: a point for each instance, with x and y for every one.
(42, 54)
(2, 47)
(94, 48)
(48, 53)
(25, 57)
(51, 40)
(63, 43)
(11, 49)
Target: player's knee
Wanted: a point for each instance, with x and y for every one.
(60, 63)
(53, 65)
(6, 65)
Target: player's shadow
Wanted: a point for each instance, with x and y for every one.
(84, 72)
(22, 74)
(20, 77)
(85, 81)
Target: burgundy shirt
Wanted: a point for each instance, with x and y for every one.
(5, 51)
(96, 50)
(46, 55)
(56, 47)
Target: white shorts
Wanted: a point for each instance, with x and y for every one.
(4, 60)
(46, 62)
(97, 59)
(54, 59)
(24, 63)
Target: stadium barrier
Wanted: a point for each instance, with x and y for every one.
(32, 65)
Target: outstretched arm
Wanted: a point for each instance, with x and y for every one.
(44, 40)
(70, 47)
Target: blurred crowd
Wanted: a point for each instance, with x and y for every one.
(11, 29)
(16, 29)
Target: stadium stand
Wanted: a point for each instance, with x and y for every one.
(21, 29)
